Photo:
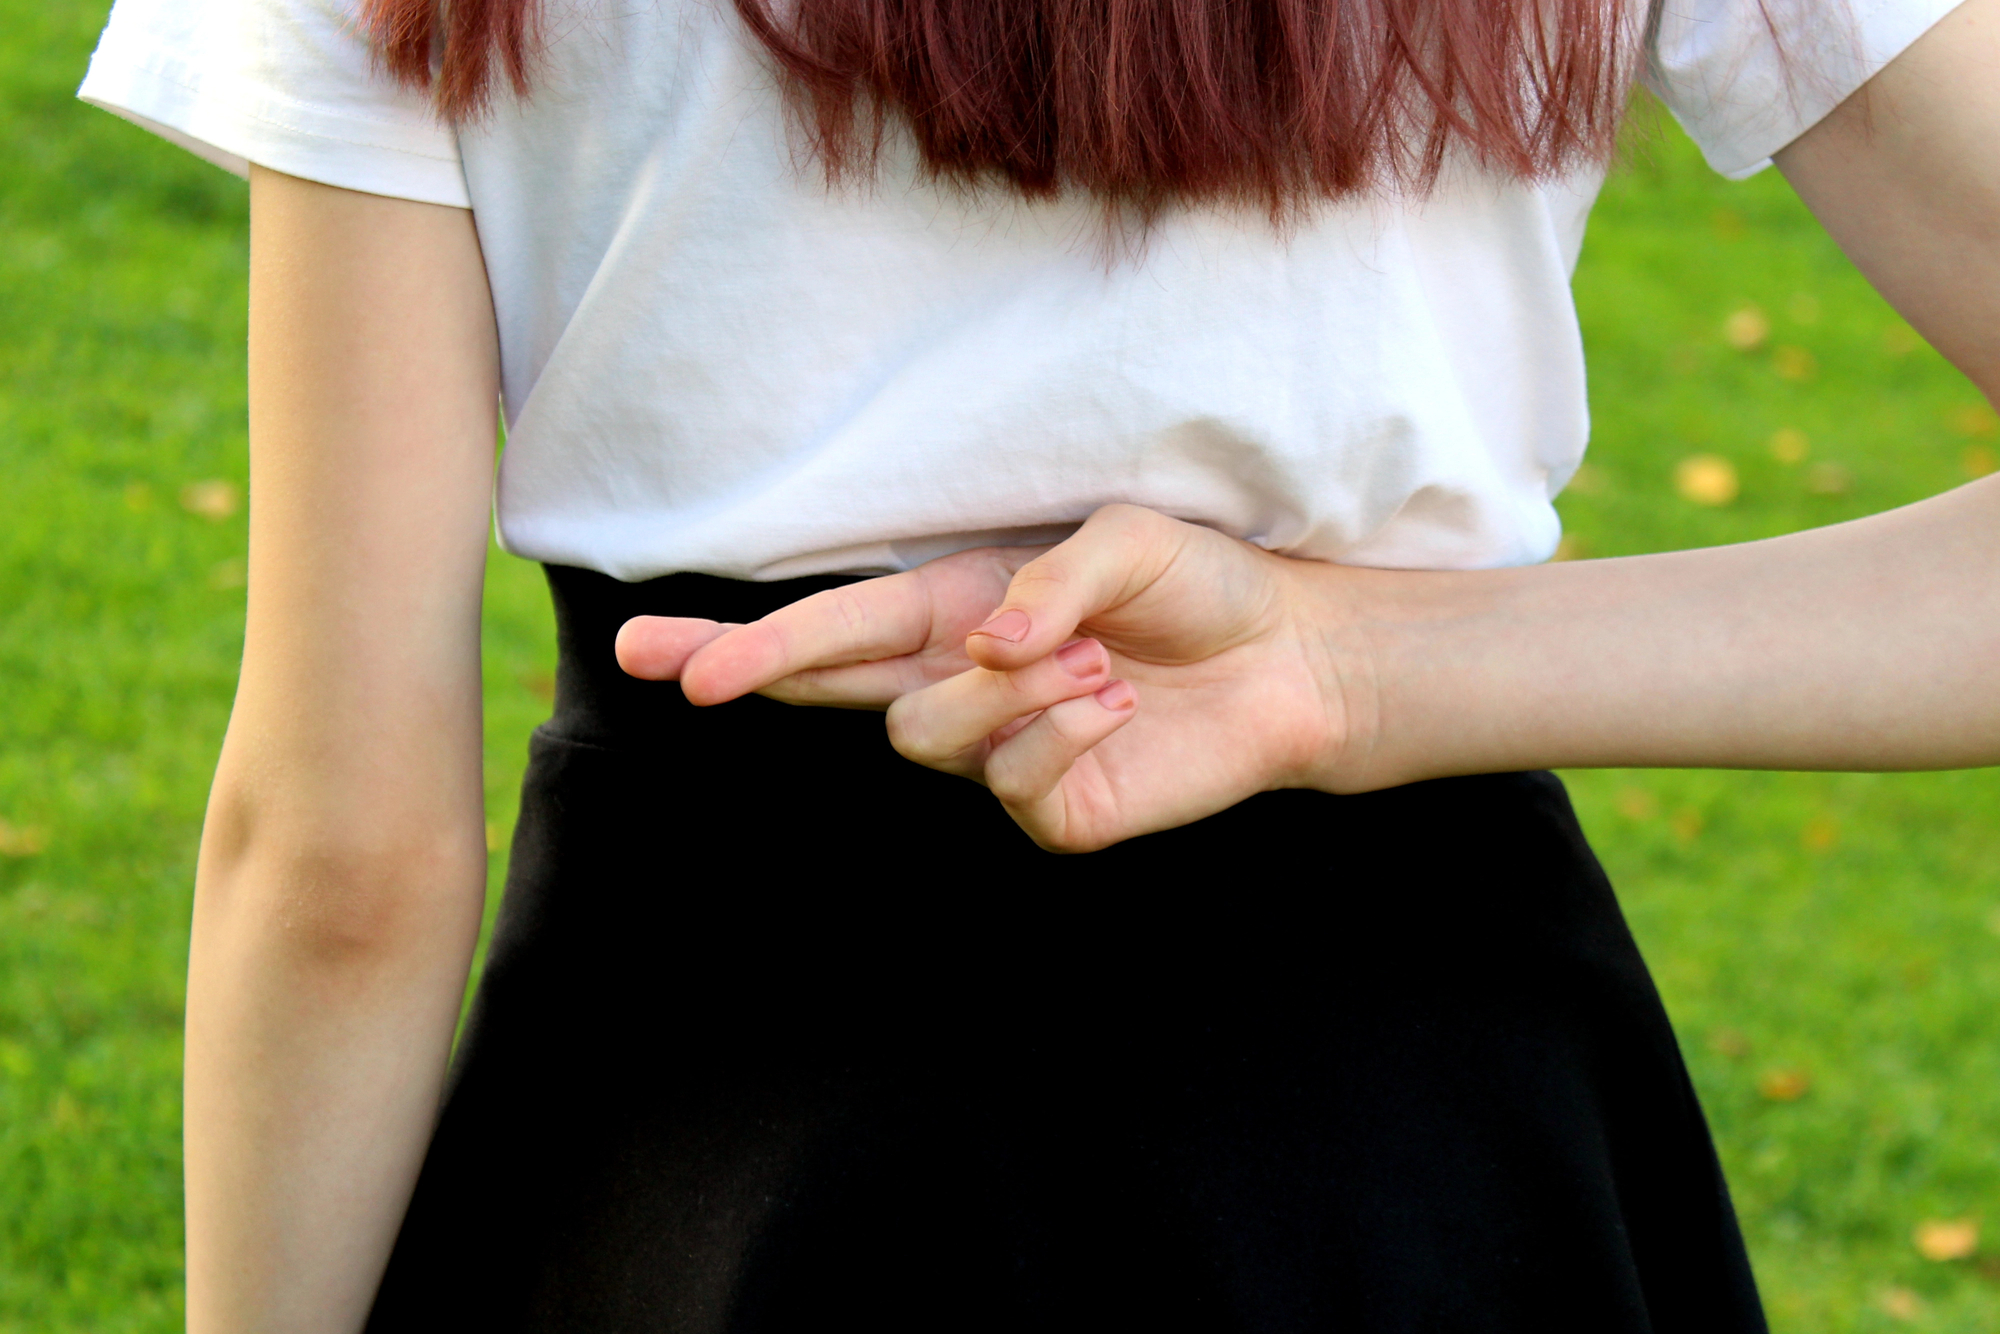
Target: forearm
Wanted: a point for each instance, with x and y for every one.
(323, 993)
(1870, 645)
(343, 860)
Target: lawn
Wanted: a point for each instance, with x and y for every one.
(1829, 945)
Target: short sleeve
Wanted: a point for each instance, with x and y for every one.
(288, 84)
(1746, 77)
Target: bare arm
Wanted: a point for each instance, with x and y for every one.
(1906, 177)
(1221, 670)
(1868, 645)
(343, 861)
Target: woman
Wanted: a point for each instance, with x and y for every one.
(781, 1031)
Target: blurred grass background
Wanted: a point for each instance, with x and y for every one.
(1829, 945)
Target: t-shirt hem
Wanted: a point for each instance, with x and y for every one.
(235, 126)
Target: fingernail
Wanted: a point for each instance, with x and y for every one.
(1117, 696)
(1010, 625)
(1083, 658)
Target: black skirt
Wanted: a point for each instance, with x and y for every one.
(781, 1034)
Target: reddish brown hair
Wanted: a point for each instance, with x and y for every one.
(1138, 102)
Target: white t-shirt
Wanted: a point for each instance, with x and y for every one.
(712, 363)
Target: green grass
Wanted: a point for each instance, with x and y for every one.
(1842, 931)
(1841, 927)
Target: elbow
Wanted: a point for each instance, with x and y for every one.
(348, 907)
(342, 895)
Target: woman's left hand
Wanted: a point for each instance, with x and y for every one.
(1141, 675)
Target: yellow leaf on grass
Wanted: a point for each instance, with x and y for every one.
(1706, 479)
(1794, 363)
(22, 840)
(1820, 834)
(214, 500)
(1946, 1238)
(1636, 803)
(1978, 461)
(1899, 340)
(1973, 419)
(1900, 1303)
(1790, 445)
(1746, 329)
(1788, 1085)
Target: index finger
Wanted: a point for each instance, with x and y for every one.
(877, 618)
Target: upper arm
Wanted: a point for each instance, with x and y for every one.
(1905, 175)
(373, 398)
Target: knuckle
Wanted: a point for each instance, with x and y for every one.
(1126, 516)
(1008, 783)
(913, 734)
(1043, 574)
(1030, 687)
(845, 619)
(907, 734)
(851, 612)
(1072, 730)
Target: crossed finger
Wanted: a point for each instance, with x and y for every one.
(860, 645)
(859, 623)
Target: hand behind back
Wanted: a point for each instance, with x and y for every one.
(1138, 676)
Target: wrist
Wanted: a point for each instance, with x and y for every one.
(1412, 675)
(1346, 625)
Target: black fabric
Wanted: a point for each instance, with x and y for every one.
(781, 1034)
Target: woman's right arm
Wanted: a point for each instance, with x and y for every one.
(1866, 645)
(343, 862)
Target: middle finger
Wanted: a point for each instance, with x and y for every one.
(878, 618)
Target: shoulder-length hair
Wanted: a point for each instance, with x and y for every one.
(1273, 103)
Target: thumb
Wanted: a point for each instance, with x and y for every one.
(1119, 550)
